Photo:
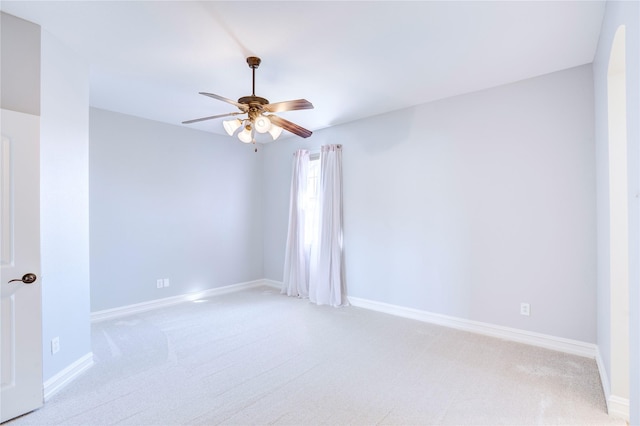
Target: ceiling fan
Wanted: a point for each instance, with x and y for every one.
(258, 110)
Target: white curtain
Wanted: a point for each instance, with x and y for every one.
(296, 270)
(326, 276)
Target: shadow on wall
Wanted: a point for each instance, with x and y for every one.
(375, 135)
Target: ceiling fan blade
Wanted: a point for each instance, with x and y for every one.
(288, 106)
(211, 118)
(243, 107)
(289, 126)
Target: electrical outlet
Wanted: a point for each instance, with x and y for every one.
(55, 345)
(166, 282)
(525, 309)
(159, 283)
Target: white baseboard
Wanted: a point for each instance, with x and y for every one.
(536, 339)
(616, 406)
(168, 301)
(273, 283)
(604, 378)
(64, 377)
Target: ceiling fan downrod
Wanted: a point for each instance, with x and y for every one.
(254, 62)
(253, 101)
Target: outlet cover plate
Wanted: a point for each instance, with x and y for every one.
(55, 345)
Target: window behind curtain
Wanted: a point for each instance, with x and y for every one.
(311, 201)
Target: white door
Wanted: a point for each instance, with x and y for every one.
(20, 311)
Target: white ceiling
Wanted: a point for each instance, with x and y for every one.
(350, 59)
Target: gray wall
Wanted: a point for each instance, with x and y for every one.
(616, 14)
(64, 204)
(40, 76)
(467, 206)
(20, 82)
(169, 202)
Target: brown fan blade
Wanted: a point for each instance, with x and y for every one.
(210, 118)
(243, 107)
(288, 106)
(289, 126)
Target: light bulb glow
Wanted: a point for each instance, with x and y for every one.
(232, 125)
(262, 124)
(275, 131)
(246, 135)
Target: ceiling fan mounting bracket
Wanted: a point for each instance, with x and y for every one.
(253, 61)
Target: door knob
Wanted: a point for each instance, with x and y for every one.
(26, 278)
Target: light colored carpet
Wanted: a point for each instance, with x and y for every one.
(257, 357)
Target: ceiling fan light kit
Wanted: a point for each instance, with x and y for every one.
(232, 125)
(275, 131)
(262, 124)
(246, 135)
(257, 120)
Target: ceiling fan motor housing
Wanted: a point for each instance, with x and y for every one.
(253, 101)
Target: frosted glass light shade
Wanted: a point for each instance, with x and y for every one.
(275, 131)
(232, 125)
(245, 135)
(262, 124)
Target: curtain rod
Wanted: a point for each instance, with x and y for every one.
(339, 146)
